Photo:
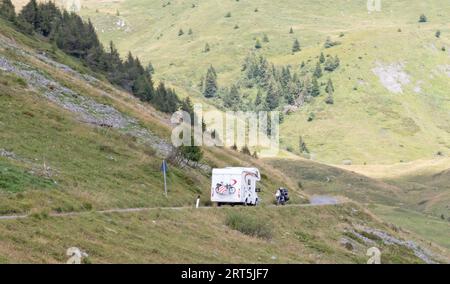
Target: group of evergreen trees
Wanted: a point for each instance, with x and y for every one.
(276, 87)
(78, 38)
(281, 86)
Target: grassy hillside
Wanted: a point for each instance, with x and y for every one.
(369, 123)
(320, 179)
(428, 227)
(291, 235)
(416, 199)
(81, 165)
(55, 156)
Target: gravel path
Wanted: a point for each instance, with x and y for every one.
(143, 209)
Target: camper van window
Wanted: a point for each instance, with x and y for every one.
(249, 182)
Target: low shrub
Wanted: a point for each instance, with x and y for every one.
(249, 225)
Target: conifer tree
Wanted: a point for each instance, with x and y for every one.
(210, 84)
(30, 14)
(330, 90)
(258, 99)
(423, 18)
(143, 88)
(272, 98)
(318, 71)
(296, 46)
(7, 10)
(150, 70)
(322, 58)
(285, 78)
(207, 48)
(302, 146)
(191, 153)
(258, 44)
(332, 63)
(232, 99)
(315, 89)
(291, 31)
(187, 106)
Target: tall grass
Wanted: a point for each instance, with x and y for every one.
(249, 225)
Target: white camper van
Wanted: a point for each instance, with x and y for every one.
(235, 186)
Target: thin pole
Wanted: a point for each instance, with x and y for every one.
(165, 183)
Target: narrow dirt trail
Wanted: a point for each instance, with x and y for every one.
(133, 210)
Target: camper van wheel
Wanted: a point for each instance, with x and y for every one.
(219, 204)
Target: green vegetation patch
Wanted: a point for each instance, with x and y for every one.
(14, 179)
(313, 242)
(249, 225)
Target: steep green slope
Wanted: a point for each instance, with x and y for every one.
(368, 123)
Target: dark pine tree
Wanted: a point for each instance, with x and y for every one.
(322, 58)
(330, 90)
(143, 88)
(423, 18)
(273, 97)
(232, 99)
(210, 85)
(258, 99)
(318, 71)
(7, 10)
(258, 44)
(187, 106)
(296, 47)
(207, 48)
(315, 89)
(49, 16)
(30, 14)
(302, 146)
